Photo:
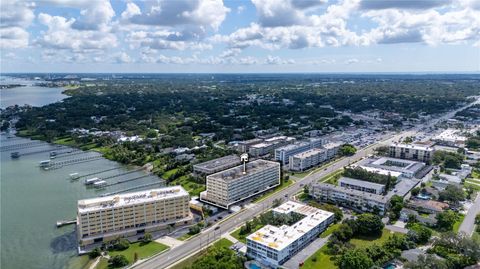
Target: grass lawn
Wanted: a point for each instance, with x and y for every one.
(282, 186)
(190, 260)
(333, 177)
(330, 230)
(192, 188)
(365, 241)
(472, 184)
(143, 251)
(242, 238)
(103, 263)
(66, 141)
(185, 237)
(476, 173)
(319, 259)
(79, 262)
(457, 223)
(476, 236)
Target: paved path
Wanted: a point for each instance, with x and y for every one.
(469, 221)
(169, 241)
(303, 255)
(229, 237)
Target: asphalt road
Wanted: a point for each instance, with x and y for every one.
(469, 221)
(213, 233)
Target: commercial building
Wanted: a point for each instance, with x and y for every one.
(273, 246)
(269, 145)
(450, 137)
(393, 166)
(233, 185)
(216, 165)
(347, 197)
(305, 160)
(283, 154)
(417, 152)
(361, 185)
(106, 218)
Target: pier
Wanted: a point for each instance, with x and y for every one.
(99, 172)
(60, 164)
(62, 223)
(23, 146)
(133, 188)
(125, 180)
(39, 151)
(122, 174)
(71, 153)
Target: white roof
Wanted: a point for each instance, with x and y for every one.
(413, 146)
(281, 237)
(130, 198)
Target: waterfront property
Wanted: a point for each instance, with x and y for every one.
(361, 185)
(418, 152)
(273, 246)
(358, 200)
(236, 184)
(107, 218)
(216, 165)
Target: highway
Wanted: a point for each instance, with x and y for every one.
(213, 233)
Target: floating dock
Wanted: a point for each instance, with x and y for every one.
(60, 164)
(99, 172)
(61, 223)
(23, 146)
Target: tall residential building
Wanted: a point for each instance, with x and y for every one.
(233, 185)
(418, 152)
(216, 165)
(106, 218)
(283, 154)
(305, 160)
(350, 197)
(273, 246)
(269, 145)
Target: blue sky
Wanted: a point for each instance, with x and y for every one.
(240, 36)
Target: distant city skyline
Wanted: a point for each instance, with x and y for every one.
(265, 36)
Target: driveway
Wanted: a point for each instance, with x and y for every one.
(469, 221)
(303, 255)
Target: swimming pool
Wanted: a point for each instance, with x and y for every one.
(254, 266)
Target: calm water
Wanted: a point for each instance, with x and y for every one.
(32, 200)
(31, 95)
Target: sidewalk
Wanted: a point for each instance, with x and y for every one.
(303, 255)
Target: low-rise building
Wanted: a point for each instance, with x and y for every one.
(233, 185)
(427, 206)
(273, 246)
(216, 165)
(361, 185)
(106, 218)
(450, 137)
(332, 149)
(358, 200)
(414, 151)
(392, 166)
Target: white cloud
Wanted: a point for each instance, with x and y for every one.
(123, 58)
(16, 17)
(352, 61)
(240, 9)
(275, 60)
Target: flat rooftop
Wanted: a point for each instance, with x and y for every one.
(261, 145)
(366, 195)
(332, 145)
(293, 146)
(415, 146)
(237, 171)
(212, 164)
(308, 153)
(393, 166)
(130, 198)
(281, 237)
(362, 183)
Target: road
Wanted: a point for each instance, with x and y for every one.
(469, 221)
(213, 233)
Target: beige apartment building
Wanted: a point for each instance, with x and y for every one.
(233, 185)
(106, 218)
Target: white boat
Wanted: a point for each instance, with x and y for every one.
(74, 176)
(99, 184)
(90, 181)
(45, 163)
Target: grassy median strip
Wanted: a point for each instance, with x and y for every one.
(282, 186)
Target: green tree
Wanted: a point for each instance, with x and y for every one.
(95, 253)
(415, 191)
(396, 205)
(369, 224)
(355, 258)
(419, 234)
(121, 244)
(452, 193)
(347, 150)
(428, 261)
(147, 238)
(446, 219)
(118, 261)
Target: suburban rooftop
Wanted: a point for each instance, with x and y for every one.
(237, 171)
(219, 162)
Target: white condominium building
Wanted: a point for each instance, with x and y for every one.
(269, 145)
(106, 218)
(216, 165)
(283, 154)
(273, 246)
(361, 185)
(350, 197)
(233, 185)
(418, 152)
(332, 149)
(307, 159)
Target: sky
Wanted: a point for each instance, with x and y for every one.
(215, 36)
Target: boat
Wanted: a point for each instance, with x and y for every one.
(15, 155)
(100, 184)
(92, 180)
(74, 176)
(45, 163)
